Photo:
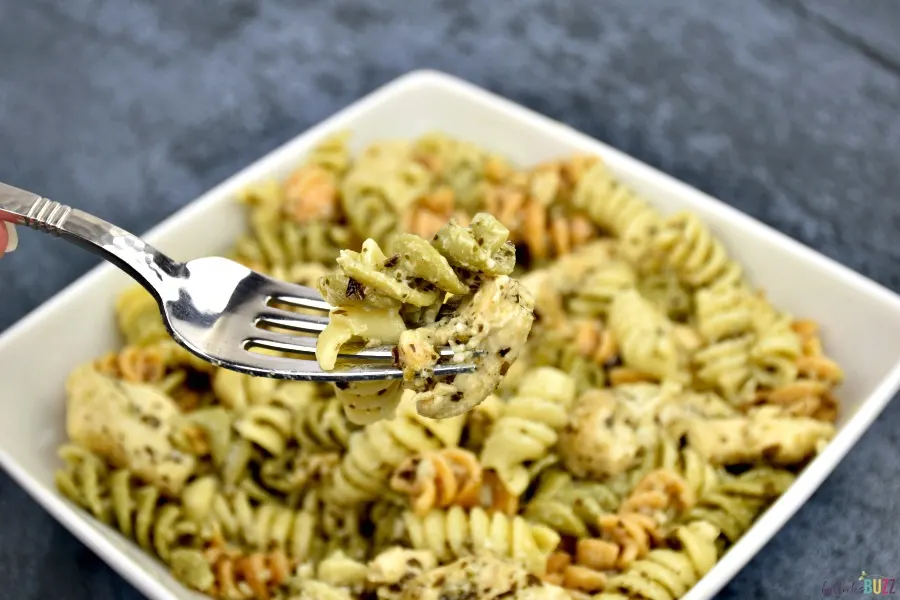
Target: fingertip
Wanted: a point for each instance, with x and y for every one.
(12, 238)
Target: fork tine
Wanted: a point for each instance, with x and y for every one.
(387, 352)
(309, 370)
(287, 342)
(297, 295)
(290, 320)
(284, 342)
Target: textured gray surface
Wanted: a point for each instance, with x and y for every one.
(786, 109)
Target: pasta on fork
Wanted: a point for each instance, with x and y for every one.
(454, 291)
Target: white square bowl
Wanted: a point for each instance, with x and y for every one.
(860, 319)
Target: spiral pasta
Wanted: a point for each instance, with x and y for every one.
(777, 349)
(234, 574)
(432, 211)
(737, 501)
(283, 248)
(239, 391)
(683, 461)
(456, 533)
(320, 425)
(528, 427)
(664, 291)
(596, 293)
(617, 209)
(378, 449)
(140, 513)
(667, 574)
(580, 348)
(438, 479)
(460, 165)
(571, 507)
(645, 337)
(535, 208)
(381, 185)
(690, 249)
(269, 427)
(629, 533)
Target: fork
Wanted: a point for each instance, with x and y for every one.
(215, 307)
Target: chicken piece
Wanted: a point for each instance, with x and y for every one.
(391, 569)
(482, 576)
(674, 414)
(598, 441)
(490, 330)
(764, 435)
(130, 425)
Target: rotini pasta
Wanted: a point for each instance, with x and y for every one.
(140, 512)
(666, 574)
(646, 337)
(456, 533)
(737, 501)
(691, 251)
(527, 429)
(489, 327)
(377, 450)
(617, 209)
(380, 186)
(233, 516)
(571, 507)
(627, 370)
(438, 479)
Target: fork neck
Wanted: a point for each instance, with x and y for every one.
(148, 266)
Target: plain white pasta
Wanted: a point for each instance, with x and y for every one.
(528, 425)
(646, 337)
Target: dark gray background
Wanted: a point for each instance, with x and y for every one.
(786, 109)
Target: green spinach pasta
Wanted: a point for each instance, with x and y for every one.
(637, 405)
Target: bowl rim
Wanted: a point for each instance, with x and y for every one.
(760, 533)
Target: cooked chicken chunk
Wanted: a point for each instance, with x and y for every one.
(598, 441)
(489, 329)
(130, 425)
(483, 576)
(764, 435)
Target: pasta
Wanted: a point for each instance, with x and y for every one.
(645, 336)
(378, 449)
(618, 210)
(667, 574)
(455, 533)
(527, 429)
(571, 507)
(139, 513)
(638, 403)
(438, 479)
(736, 502)
(691, 251)
(489, 326)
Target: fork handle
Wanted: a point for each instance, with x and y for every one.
(143, 262)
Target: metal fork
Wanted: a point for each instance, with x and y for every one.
(213, 306)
